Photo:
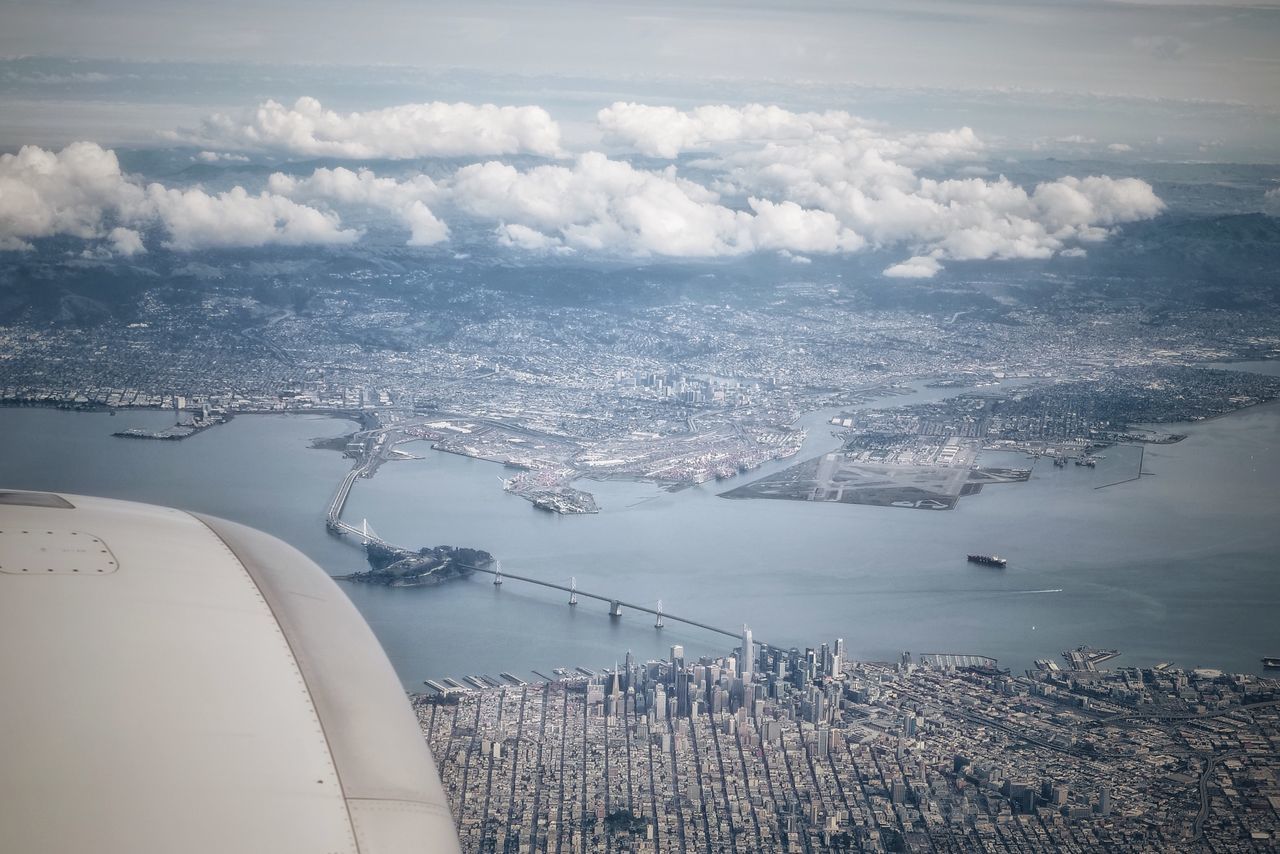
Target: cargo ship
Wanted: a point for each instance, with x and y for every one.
(1271, 662)
(989, 560)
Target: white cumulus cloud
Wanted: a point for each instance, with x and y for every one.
(406, 200)
(810, 182)
(919, 267)
(199, 220)
(787, 226)
(862, 183)
(220, 157)
(126, 242)
(81, 192)
(1271, 202)
(43, 193)
(665, 131)
(661, 131)
(799, 184)
(433, 129)
(526, 238)
(600, 204)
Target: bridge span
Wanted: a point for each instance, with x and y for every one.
(612, 601)
(367, 463)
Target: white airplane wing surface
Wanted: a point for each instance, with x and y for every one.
(178, 683)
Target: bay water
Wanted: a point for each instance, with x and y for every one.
(1181, 565)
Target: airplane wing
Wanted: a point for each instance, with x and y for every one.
(175, 682)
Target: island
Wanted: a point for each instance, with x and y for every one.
(396, 567)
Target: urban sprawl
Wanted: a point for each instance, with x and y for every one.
(784, 750)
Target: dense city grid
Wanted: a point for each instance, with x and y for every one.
(815, 754)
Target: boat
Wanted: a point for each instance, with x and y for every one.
(1271, 662)
(989, 560)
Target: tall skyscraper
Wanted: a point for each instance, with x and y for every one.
(748, 654)
(680, 680)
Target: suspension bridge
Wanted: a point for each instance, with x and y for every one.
(338, 526)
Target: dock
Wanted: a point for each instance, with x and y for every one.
(1088, 658)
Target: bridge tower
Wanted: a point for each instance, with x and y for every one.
(497, 575)
(364, 531)
(573, 590)
(615, 608)
(657, 624)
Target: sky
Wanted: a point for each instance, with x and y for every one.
(1203, 74)
(691, 130)
(1209, 51)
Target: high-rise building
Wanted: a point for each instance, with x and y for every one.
(748, 653)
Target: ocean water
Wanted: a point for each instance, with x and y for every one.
(1180, 565)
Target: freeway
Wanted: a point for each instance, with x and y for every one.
(1209, 767)
(1183, 716)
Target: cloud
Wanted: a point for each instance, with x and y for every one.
(43, 193)
(425, 229)
(434, 129)
(787, 226)
(406, 200)
(607, 205)
(1271, 202)
(526, 238)
(795, 183)
(1082, 203)
(220, 157)
(667, 132)
(198, 220)
(81, 192)
(1120, 147)
(919, 267)
(864, 184)
(126, 242)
